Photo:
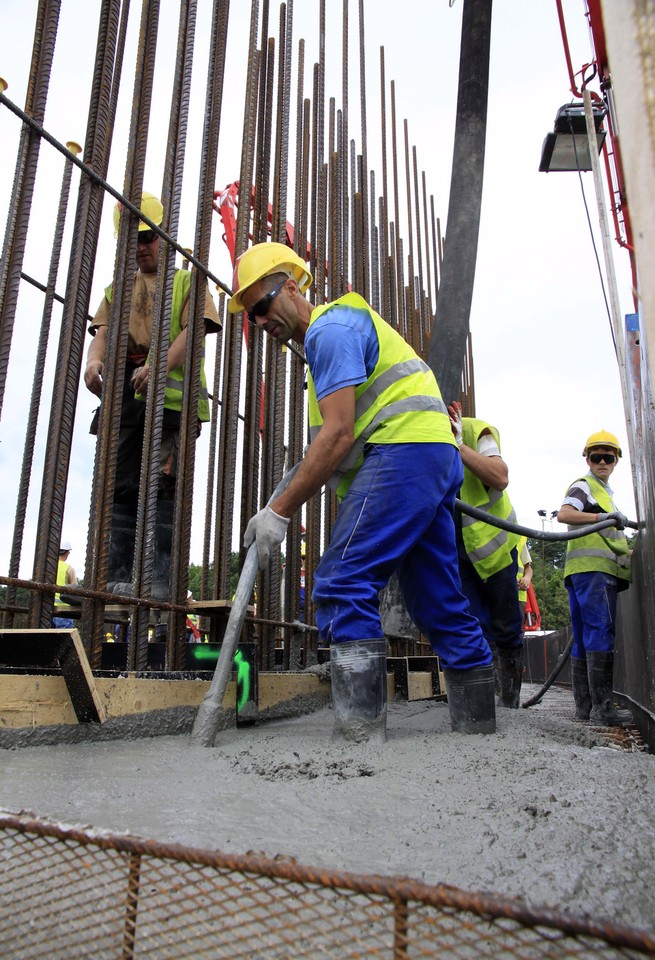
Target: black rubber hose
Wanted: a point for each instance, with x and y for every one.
(538, 534)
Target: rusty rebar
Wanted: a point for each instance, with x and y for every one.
(13, 252)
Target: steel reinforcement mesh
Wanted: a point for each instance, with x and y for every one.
(68, 892)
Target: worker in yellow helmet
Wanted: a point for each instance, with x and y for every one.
(597, 568)
(380, 437)
(135, 386)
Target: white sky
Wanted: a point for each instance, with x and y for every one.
(545, 371)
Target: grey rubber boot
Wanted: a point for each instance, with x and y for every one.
(580, 684)
(510, 672)
(600, 672)
(471, 700)
(358, 672)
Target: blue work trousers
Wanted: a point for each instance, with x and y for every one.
(592, 600)
(494, 601)
(398, 517)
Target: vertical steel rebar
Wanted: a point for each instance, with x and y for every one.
(37, 386)
(13, 252)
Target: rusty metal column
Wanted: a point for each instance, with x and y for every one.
(233, 340)
(117, 331)
(194, 344)
(149, 519)
(39, 364)
(67, 371)
(13, 252)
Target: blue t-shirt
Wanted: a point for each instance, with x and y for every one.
(341, 348)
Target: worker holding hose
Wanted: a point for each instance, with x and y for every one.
(381, 438)
(597, 568)
(488, 561)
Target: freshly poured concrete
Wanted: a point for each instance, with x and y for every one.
(547, 810)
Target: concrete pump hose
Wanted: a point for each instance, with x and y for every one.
(537, 534)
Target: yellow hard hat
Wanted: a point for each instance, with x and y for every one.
(602, 439)
(260, 261)
(150, 206)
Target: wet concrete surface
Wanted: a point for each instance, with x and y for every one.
(549, 810)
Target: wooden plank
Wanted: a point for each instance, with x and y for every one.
(46, 648)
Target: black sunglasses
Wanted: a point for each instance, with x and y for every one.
(146, 236)
(261, 308)
(599, 457)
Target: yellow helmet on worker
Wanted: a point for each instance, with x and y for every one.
(603, 438)
(150, 206)
(262, 260)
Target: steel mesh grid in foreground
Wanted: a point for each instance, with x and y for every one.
(68, 892)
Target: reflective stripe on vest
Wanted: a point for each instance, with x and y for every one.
(603, 552)
(174, 387)
(488, 548)
(384, 398)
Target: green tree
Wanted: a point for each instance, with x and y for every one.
(195, 577)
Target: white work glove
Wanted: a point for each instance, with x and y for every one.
(455, 414)
(269, 529)
(619, 518)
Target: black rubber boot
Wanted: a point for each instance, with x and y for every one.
(358, 672)
(580, 684)
(600, 672)
(510, 672)
(121, 547)
(471, 700)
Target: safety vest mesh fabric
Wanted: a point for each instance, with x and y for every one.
(399, 403)
(62, 570)
(523, 594)
(488, 548)
(175, 378)
(603, 552)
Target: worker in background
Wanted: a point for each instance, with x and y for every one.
(523, 574)
(597, 568)
(381, 438)
(192, 631)
(488, 555)
(65, 576)
(133, 411)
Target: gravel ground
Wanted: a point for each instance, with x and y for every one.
(549, 811)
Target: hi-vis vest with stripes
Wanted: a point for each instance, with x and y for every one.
(603, 552)
(487, 547)
(175, 378)
(399, 403)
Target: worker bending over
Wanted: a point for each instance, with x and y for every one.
(488, 555)
(597, 568)
(381, 437)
